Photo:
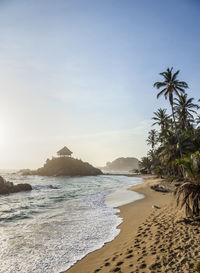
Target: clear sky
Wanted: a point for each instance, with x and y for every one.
(80, 74)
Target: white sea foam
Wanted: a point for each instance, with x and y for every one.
(48, 230)
(122, 197)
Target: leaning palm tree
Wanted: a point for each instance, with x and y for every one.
(171, 86)
(184, 108)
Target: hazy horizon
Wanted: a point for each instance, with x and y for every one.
(80, 74)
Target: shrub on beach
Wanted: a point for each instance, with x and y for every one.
(188, 194)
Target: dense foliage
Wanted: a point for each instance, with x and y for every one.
(175, 143)
(177, 134)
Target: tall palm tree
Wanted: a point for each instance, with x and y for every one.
(184, 108)
(171, 86)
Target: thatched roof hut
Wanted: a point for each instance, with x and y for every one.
(64, 152)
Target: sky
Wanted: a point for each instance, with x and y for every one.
(80, 73)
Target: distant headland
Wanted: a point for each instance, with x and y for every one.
(64, 165)
(122, 164)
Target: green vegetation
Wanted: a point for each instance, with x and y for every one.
(189, 192)
(64, 166)
(175, 143)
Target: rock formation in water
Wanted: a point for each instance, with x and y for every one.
(64, 166)
(7, 187)
(122, 164)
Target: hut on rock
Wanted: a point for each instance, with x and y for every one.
(64, 152)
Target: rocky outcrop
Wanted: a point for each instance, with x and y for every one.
(7, 187)
(64, 166)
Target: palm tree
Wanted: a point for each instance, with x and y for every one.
(161, 118)
(171, 86)
(198, 120)
(145, 165)
(184, 109)
(168, 152)
(152, 138)
(188, 194)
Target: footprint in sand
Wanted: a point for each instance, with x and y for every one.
(143, 265)
(129, 256)
(116, 269)
(139, 259)
(119, 263)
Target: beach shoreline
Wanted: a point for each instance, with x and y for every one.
(155, 237)
(133, 215)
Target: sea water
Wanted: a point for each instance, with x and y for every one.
(48, 230)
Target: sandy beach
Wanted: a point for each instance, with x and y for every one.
(151, 239)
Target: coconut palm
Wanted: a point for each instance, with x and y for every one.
(198, 120)
(168, 152)
(161, 119)
(171, 86)
(152, 138)
(184, 108)
(145, 165)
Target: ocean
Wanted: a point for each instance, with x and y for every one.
(48, 230)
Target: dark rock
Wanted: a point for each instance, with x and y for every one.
(53, 187)
(7, 187)
(159, 188)
(22, 187)
(2, 181)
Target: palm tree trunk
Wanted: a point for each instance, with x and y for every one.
(177, 134)
(178, 139)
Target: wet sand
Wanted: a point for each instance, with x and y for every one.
(151, 240)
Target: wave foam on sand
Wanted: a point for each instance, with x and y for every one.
(151, 240)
